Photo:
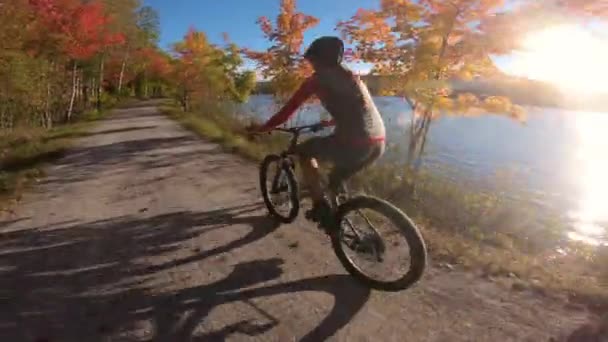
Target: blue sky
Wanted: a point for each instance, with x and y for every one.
(238, 17)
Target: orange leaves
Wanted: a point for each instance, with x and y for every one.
(424, 41)
(265, 25)
(79, 29)
(282, 62)
(366, 25)
(195, 56)
(89, 31)
(598, 8)
(160, 65)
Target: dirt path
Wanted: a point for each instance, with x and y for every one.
(146, 233)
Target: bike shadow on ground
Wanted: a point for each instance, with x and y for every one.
(349, 298)
(90, 281)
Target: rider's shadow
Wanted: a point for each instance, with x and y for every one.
(173, 325)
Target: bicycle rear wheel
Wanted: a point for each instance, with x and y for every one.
(279, 188)
(376, 249)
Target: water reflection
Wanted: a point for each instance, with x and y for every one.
(558, 162)
(592, 163)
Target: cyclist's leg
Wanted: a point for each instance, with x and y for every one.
(309, 151)
(351, 161)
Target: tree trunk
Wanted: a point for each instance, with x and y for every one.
(184, 100)
(100, 81)
(73, 96)
(420, 127)
(47, 112)
(85, 93)
(122, 72)
(80, 89)
(423, 136)
(48, 120)
(77, 97)
(145, 85)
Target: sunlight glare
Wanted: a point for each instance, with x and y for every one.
(593, 175)
(566, 55)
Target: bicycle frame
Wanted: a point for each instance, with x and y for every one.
(286, 160)
(295, 136)
(334, 196)
(337, 224)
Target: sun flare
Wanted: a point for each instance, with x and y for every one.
(568, 56)
(591, 214)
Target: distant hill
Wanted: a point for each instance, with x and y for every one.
(521, 91)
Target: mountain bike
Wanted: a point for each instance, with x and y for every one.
(281, 195)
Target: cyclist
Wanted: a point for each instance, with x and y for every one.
(359, 135)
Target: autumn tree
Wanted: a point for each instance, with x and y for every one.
(143, 39)
(86, 35)
(141, 29)
(22, 75)
(421, 45)
(282, 63)
(240, 83)
(150, 69)
(159, 72)
(207, 72)
(54, 52)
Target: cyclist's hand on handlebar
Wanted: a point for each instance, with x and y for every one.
(254, 129)
(251, 130)
(326, 123)
(321, 124)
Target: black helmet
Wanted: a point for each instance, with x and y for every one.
(326, 50)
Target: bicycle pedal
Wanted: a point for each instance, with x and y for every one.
(310, 215)
(324, 229)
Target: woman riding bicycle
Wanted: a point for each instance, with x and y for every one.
(359, 135)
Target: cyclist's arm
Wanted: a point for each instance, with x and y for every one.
(306, 90)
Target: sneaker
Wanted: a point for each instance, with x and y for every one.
(320, 212)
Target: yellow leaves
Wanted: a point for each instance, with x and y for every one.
(496, 104)
(518, 113)
(282, 62)
(426, 41)
(466, 101)
(445, 103)
(502, 105)
(464, 74)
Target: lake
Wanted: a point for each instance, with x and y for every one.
(557, 161)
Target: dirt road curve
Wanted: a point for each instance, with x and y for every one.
(144, 232)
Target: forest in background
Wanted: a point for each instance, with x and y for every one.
(60, 58)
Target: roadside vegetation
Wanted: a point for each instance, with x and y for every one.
(25, 151)
(63, 64)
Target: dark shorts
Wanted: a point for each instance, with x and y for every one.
(347, 159)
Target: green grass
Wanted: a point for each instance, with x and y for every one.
(475, 230)
(24, 152)
(228, 132)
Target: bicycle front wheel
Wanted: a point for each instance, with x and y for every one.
(378, 244)
(279, 188)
